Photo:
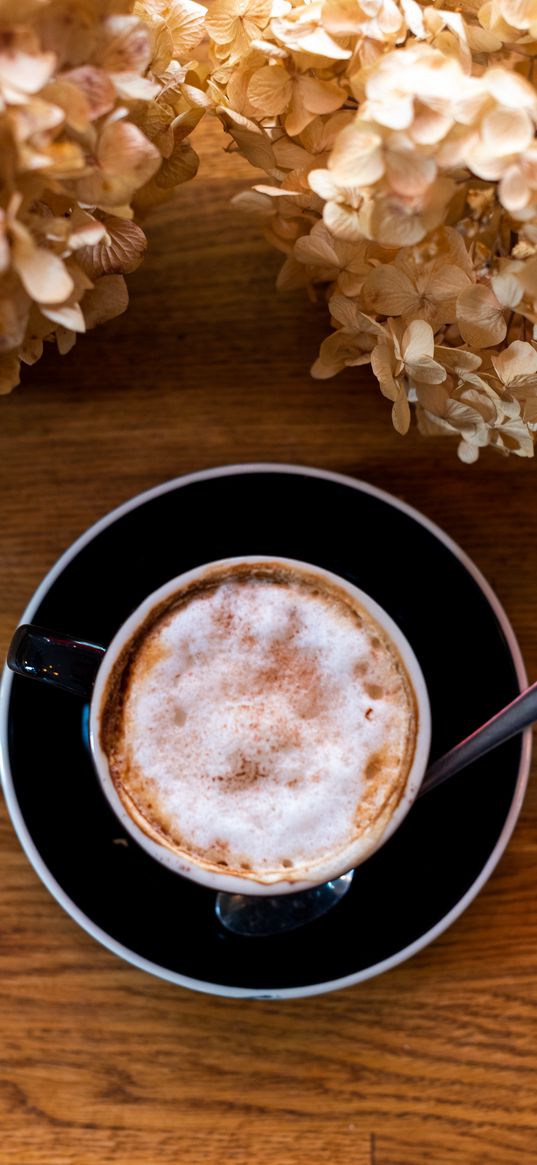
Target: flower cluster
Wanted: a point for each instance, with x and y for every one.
(398, 141)
(96, 102)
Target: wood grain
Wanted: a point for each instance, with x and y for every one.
(433, 1062)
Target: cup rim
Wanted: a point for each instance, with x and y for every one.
(355, 853)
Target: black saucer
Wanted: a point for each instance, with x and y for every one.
(425, 875)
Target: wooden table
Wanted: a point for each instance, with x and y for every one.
(435, 1062)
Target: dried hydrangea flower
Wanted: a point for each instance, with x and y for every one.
(399, 144)
(96, 101)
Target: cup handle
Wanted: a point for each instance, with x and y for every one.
(54, 658)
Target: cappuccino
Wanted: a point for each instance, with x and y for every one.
(260, 723)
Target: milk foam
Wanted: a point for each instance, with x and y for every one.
(264, 726)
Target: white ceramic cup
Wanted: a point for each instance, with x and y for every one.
(187, 866)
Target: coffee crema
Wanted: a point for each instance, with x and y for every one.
(260, 722)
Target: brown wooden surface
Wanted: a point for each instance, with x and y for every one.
(435, 1062)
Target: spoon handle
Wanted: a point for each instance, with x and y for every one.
(518, 715)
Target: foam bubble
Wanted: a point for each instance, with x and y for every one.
(253, 714)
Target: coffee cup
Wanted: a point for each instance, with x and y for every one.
(259, 725)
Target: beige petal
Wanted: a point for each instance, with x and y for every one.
(42, 273)
(84, 230)
(528, 277)
(32, 348)
(162, 41)
(518, 13)
(131, 87)
(321, 96)
(258, 11)
(185, 21)
(343, 221)
(119, 252)
(431, 425)
(506, 131)
(70, 30)
(126, 161)
(529, 413)
(254, 202)
(388, 291)
(321, 135)
(392, 223)
(9, 372)
(65, 340)
(417, 341)
(515, 438)
(336, 352)
(276, 192)
(424, 370)
(452, 245)
(514, 192)
(401, 415)
(518, 359)
(510, 89)
(96, 86)
(432, 397)
(457, 359)
(67, 316)
(413, 15)
(254, 144)
(384, 366)
(480, 317)
(69, 98)
(63, 159)
(481, 40)
(444, 287)
(322, 182)
(34, 117)
(124, 45)
(408, 173)
(298, 117)
(507, 288)
(317, 248)
(342, 17)
(180, 167)
(357, 158)
(487, 404)
(468, 422)
(430, 127)
(291, 275)
(124, 150)
(108, 299)
(467, 452)
(270, 89)
(394, 112)
(306, 40)
(221, 21)
(290, 155)
(196, 98)
(347, 312)
(21, 71)
(14, 311)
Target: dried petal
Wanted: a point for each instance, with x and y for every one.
(43, 274)
(108, 299)
(480, 317)
(9, 372)
(120, 251)
(126, 159)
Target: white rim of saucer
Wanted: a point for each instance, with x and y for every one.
(207, 987)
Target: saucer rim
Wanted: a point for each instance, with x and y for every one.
(206, 986)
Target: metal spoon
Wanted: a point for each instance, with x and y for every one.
(512, 719)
